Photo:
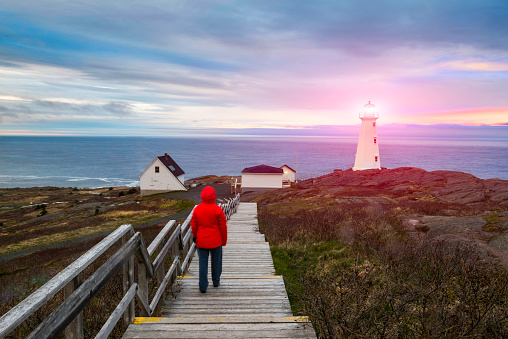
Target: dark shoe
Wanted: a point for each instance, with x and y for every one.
(216, 285)
(202, 291)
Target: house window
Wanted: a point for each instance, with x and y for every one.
(375, 158)
(156, 169)
(171, 168)
(375, 140)
(374, 124)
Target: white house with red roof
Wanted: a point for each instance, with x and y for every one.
(264, 177)
(162, 175)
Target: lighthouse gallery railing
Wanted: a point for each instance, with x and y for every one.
(175, 240)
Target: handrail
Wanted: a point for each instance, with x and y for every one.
(25, 308)
(178, 244)
(158, 239)
(62, 316)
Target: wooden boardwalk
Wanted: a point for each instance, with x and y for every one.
(251, 301)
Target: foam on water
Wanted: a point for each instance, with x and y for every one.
(118, 161)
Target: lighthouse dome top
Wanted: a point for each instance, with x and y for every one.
(369, 111)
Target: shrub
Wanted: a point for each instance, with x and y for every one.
(353, 270)
(43, 212)
(121, 194)
(422, 288)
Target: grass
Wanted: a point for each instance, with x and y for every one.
(285, 208)
(293, 259)
(22, 230)
(355, 272)
(85, 223)
(493, 223)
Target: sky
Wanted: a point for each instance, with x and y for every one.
(169, 68)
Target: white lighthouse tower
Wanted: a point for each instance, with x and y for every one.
(367, 153)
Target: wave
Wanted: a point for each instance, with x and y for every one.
(64, 181)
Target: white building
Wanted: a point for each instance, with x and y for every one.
(261, 177)
(288, 176)
(162, 175)
(367, 152)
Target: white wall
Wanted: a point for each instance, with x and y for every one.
(367, 150)
(261, 180)
(288, 174)
(164, 181)
(181, 178)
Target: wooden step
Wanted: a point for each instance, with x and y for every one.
(251, 302)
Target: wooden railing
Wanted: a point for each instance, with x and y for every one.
(174, 242)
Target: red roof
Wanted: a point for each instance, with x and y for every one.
(171, 165)
(288, 167)
(263, 169)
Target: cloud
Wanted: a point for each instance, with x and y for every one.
(258, 63)
(9, 64)
(476, 66)
(121, 109)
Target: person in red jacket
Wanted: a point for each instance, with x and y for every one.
(210, 234)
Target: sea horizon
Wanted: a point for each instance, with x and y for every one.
(100, 161)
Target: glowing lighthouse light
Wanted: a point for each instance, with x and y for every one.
(367, 152)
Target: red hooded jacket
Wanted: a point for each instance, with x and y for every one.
(209, 222)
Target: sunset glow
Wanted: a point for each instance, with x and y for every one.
(162, 69)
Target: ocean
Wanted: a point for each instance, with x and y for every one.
(90, 162)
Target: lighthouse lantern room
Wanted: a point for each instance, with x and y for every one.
(367, 152)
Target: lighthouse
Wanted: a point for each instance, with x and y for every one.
(367, 152)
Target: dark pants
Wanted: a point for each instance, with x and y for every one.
(203, 266)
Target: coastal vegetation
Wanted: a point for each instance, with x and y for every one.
(35, 248)
(368, 261)
(391, 253)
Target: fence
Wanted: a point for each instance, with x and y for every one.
(173, 242)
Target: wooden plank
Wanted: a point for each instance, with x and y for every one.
(222, 330)
(190, 320)
(158, 239)
(75, 328)
(56, 322)
(163, 284)
(159, 260)
(117, 313)
(251, 301)
(24, 309)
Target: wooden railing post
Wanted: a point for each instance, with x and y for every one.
(75, 329)
(176, 246)
(143, 287)
(176, 253)
(128, 280)
(161, 272)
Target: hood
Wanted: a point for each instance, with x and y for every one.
(208, 195)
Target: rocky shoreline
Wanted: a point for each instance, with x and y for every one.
(442, 205)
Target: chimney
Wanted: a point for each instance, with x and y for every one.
(166, 155)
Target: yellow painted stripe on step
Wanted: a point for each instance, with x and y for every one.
(302, 319)
(233, 277)
(144, 320)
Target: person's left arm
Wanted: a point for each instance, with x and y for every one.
(221, 218)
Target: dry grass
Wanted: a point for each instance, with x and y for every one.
(20, 277)
(356, 273)
(23, 230)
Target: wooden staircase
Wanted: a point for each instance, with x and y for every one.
(251, 301)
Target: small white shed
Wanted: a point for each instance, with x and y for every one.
(288, 176)
(162, 175)
(261, 177)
